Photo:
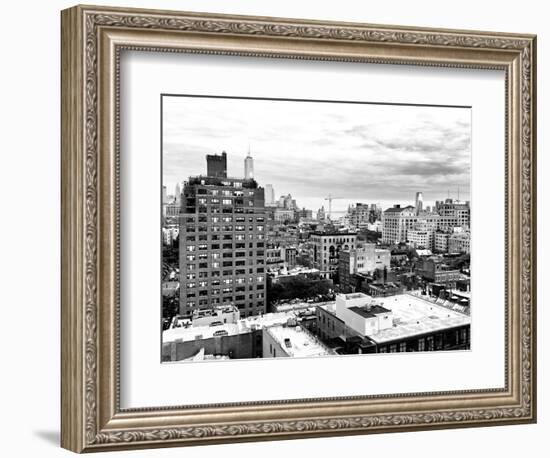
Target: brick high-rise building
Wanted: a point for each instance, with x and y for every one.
(222, 244)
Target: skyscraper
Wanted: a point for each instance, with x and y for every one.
(178, 193)
(248, 167)
(216, 165)
(419, 203)
(269, 195)
(222, 244)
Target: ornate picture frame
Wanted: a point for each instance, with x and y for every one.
(92, 40)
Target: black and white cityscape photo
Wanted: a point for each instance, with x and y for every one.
(304, 228)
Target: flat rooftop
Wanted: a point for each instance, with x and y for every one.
(412, 316)
(298, 343)
(243, 326)
(369, 312)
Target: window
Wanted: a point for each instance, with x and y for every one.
(203, 284)
(226, 201)
(403, 346)
(190, 276)
(190, 304)
(190, 257)
(430, 341)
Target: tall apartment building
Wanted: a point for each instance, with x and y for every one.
(326, 248)
(222, 243)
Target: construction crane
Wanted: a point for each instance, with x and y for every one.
(330, 198)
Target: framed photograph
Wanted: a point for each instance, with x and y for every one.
(278, 228)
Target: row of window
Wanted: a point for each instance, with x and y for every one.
(229, 254)
(429, 343)
(226, 219)
(224, 246)
(225, 281)
(214, 301)
(216, 292)
(224, 237)
(226, 273)
(225, 192)
(223, 228)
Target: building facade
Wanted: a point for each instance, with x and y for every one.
(459, 242)
(216, 165)
(326, 248)
(396, 222)
(222, 244)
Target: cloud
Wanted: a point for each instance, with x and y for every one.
(356, 151)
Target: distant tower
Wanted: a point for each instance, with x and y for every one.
(216, 165)
(178, 192)
(248, 166)
(269, 195)
(164, 195)
(419, 203)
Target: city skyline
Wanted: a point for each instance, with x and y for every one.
(344, 138)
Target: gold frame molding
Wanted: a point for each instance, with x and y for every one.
(92, 38)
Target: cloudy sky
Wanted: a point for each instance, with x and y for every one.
(358, 152)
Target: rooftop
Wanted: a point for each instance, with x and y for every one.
(214, 311)
(243, 326)
(333, 233)
(398, 209)
(415, 316)
(297, 342)
(369, 311)
(412, 316)
(205, 180)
